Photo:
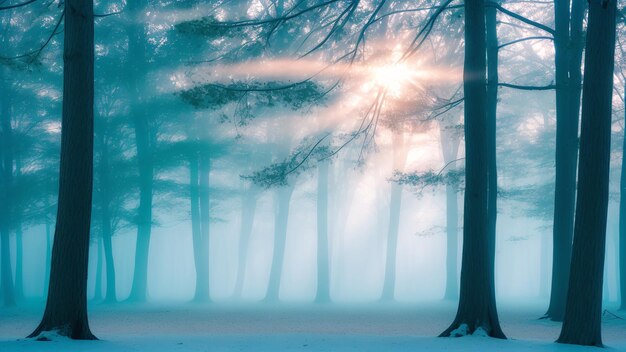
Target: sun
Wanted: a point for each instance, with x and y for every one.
(394, 78)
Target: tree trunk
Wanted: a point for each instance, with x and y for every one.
(283, 198)
(492, 108)
(19, 241)
(477, 309)
(567, 57)
(105, 215)
(97, 296)
(622, 223)
(136, 50)
(201, 244)
(66, 308)
(450, 149)
(248, 210)
(395, 205)
(323, 258)
(6, 150)
(46, 277)
(582, 320)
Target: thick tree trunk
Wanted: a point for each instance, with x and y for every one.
(283, 199)
(248, 210)
(323, 258)
(477, 309)
(568, 56)
(66, 308)
(492, 108)
(136, 51)
(582, 320)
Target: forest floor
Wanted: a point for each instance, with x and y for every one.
(265, 327)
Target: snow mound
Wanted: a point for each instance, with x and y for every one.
(461, 331)
(52, 335)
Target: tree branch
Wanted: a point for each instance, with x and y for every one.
(524, 39)
(8, 7)
(520, 87)
(520, 17)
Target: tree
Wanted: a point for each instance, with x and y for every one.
(583, 309)
(568, 37)
(137, 58)
(66, 307)
(477, 306)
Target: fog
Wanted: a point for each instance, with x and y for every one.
(356, 159)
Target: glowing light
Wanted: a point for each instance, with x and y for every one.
(394, 78)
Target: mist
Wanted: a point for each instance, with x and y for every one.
(278, 175)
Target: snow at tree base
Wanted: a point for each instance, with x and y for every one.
(312, 175)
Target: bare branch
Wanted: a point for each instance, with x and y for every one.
(521, 87)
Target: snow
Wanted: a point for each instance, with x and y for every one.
(260, 327)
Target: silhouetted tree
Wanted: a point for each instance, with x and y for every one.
(582, 320)
(66, 307)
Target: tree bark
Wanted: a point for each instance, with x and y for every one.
(582, 320)
(477, 309)
(66, 307)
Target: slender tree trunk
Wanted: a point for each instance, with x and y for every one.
(477, 309)
(582, 320)
(6, 208)
(66, 308)
(111, 291)
(622, 224)
(395, 205)
(568, 56)
(19, 241)
(283, 199)
(46, 277)
(450, 148)
(452, 246)
(248, 210)
(136, 49)
(105, 206)
(19, 259)
(323, 257)
(201, 254)
(97, 296)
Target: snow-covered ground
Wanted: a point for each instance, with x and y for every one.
(258, 328)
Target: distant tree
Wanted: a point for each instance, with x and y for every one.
(66, 307)
(583, 309)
